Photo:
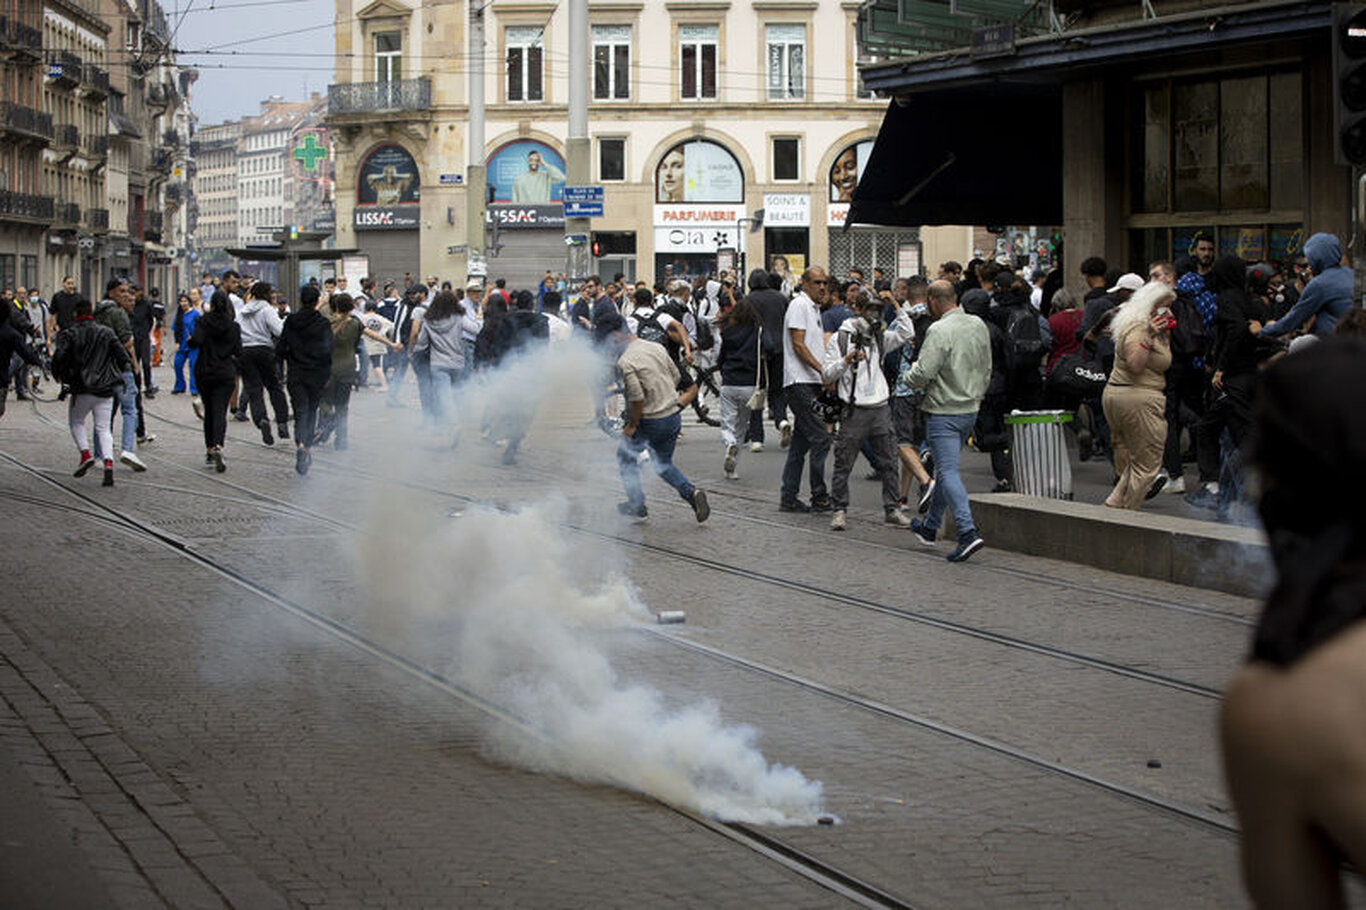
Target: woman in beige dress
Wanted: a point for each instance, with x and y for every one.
(1135, 399)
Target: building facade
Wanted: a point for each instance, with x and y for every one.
(214, 150)
(1145, 124)
(92, 156)
(700, 114)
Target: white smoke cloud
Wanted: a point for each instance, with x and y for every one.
(529, 618)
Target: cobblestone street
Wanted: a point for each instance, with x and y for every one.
(254, 689)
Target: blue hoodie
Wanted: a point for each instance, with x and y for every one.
(1328, 295)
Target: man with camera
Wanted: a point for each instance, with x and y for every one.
(853, 363)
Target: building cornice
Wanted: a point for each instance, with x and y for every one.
(87, 18)
(524, 6)
(785, 6)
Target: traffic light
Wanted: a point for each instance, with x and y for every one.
(1349, 79)
(596, 248)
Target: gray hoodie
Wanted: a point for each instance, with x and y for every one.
(261, 324)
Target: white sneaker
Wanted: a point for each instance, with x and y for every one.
(732, 452)
(756, 446)
(198, 407)
(897, 519)
(786, 428)
(133, 461)
(837, 520)
(1177, 486)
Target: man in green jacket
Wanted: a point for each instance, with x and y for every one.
(954, 368)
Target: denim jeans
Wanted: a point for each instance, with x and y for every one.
(128, 403)
(946, 435)
(658, 436)
(809, 436)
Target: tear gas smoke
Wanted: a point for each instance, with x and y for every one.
(527, 613)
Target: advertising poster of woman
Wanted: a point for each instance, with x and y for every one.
(848, 169)
(699, 171)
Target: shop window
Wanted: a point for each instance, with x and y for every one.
(697, 61)
(611, 62)
(524, 61)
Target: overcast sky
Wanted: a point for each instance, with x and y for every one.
(234, 85)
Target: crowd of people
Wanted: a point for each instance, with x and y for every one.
(1159, 369)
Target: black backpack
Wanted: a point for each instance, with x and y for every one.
(648, 328)
(1190, 337)
(1026, 341)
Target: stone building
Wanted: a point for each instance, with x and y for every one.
(214, 149)
(1132, 125)
(700, 114)
(92, 162)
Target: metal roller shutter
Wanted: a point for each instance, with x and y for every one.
(526, 256)
(392, 253)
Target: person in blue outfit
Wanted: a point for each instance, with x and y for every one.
(1326, 297)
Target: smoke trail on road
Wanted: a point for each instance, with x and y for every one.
(530, 615)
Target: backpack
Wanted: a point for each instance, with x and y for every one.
(648, 328)
(1026, 341)
(1190, 338)
(706, 340)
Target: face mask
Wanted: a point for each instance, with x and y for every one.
(919, 309)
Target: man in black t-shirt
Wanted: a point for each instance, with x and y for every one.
(142, 319)
(62, 307)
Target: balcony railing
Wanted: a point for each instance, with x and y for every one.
(97, 219)
(367, 97)
(26, 121)
(66, 69)
(96, 80)
(97, 146)
(22, 205)
(68, 134)
(16, 36)
(67, 213)
(161, 160)
(171, 137)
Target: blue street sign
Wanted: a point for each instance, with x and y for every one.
(582, 209)
(583, 194)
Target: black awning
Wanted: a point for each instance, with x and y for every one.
(988, 155)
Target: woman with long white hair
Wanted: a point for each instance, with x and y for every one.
(1134, 400)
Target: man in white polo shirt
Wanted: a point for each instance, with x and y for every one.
(803, 346)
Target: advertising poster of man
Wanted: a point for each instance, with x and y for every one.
(526, 172)
(388, 176)
(699, 171)
(847, 170)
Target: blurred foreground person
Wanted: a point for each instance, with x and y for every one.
(1291, 726)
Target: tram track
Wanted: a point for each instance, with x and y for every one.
(753, 575)
(1206, 819)
(802, 863)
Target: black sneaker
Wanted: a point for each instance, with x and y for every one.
(795, 505)
(266, 436)
(1002, 486)
(302, 460)
(924, 535)
(822, 504)
(964, 550)
(625, 508)
(239, 416)
(700, 508)
(1159, 482)
(926, 494)
(86, 464)
(108, 478)
(208, 458)
(283, 431)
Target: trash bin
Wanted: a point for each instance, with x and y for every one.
(1039, 451)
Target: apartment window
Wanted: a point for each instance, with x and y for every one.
(611, 159)
(786, 155)
(611, 61)
(524, 47)
(786, 61)
(697, 61)
(7, 274)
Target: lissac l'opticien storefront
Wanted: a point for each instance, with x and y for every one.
(697, 198)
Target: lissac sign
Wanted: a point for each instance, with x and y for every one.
(386, 218)
(510, 216)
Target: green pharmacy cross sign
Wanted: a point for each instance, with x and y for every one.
(309, 151)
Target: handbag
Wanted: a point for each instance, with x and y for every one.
(1079, 375)
(759, 397)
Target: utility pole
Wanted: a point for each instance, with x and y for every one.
(475, 193)
(579, 147)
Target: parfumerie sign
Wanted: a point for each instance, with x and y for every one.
(387, 217)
